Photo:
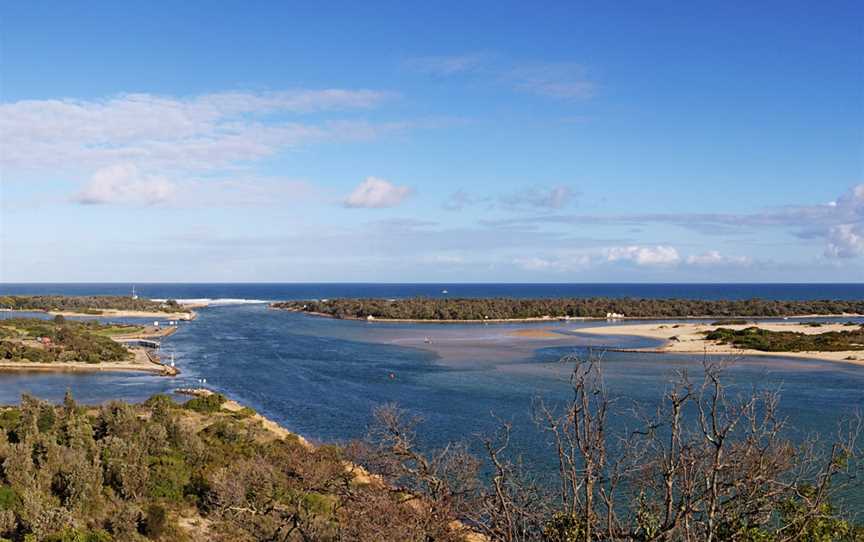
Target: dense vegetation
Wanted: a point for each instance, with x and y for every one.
(91, 304)
(789, 341)
(159, 471)
(423, 308)
(37, 340)
(704, 466)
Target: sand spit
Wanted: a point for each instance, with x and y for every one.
(689, 338)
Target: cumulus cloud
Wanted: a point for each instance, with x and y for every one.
(124, 183)
(644, 255)
(845, 241)
(375, 193)
(851, 203)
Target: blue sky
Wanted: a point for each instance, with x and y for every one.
(481, 141)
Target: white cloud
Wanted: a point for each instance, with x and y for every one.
(852, 202)
(556, 197)
(375, 193)
(648, 256)
(446, 65)
(555, 80)
(558, 261)
(845, 241)
(562, 80)
(459, 200)
(198, 133)
(714, 257)
(124, 184)
(553, 198)
(444, 259)
(836, 224)
(534, 264)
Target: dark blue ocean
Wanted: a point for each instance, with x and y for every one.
(285, 291)
(322, 377)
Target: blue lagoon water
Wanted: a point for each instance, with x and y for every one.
(322, 377)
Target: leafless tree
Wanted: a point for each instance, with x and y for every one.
(710, 462)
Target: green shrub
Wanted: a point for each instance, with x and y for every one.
(789, 341)
(8, 498)
(79, 535)
(155, 521)
(206, 404)
(169, 476)
(730, 322)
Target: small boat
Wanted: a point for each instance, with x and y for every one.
(443, 291)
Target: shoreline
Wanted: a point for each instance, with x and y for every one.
(688, 338)
(233, 406)
(80, 366)
(359, 474)
(547, 319)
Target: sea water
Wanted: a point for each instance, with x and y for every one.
(323, 378)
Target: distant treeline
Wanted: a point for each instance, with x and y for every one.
(90, 304)
(423, 308)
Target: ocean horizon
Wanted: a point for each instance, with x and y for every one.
(278, 291)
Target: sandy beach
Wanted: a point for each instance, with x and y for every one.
(115, 313)
(689, 338)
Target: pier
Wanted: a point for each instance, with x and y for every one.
(145, 343)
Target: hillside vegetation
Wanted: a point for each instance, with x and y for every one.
(706, 465)
(424, 308)
(90, 304)
(162, 471)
